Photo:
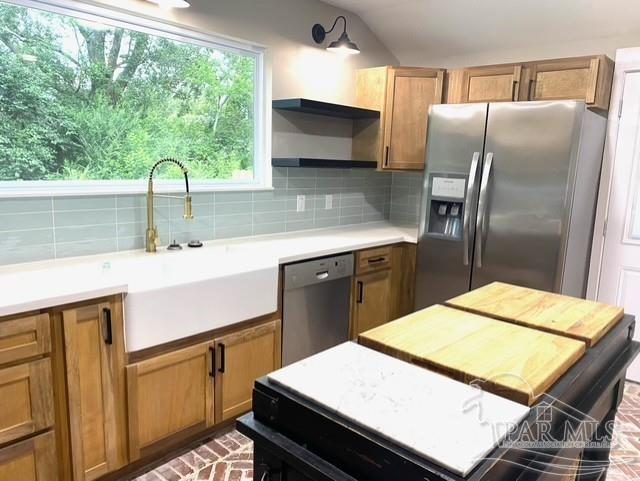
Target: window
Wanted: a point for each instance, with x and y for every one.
(91, 99)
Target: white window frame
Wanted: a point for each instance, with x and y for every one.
(117, 18)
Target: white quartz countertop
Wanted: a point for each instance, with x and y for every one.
(40, 285)
(450, 423)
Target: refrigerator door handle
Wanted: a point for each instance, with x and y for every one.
(482, 207)
(467, 207)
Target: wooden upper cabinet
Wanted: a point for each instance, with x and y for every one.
(170, 396)
(30, 460)
(94, 355)
(403, 95)
(583, 78)
(241, 358)
(493, 83)
(27, 399)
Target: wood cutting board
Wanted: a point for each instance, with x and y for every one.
(510, 360)
(585, 320)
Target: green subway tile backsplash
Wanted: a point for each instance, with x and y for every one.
(74, 226)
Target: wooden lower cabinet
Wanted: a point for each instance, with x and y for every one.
(30, 460)
(27, 399)
(94, 359)
(403, 280)
(24, 337)
(169, 396)
(371, 301)
(241, 358)
(384, 286)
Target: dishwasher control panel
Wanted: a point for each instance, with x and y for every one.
(317, 271)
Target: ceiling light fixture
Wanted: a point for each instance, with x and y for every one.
(343, 45)
(171, 3)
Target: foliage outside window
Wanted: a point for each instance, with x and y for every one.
(86, 101)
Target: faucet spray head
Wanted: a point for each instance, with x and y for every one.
(188, 210)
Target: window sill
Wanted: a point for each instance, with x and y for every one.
(41, 189)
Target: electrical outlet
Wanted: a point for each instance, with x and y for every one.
(300, 203)
(328, 201)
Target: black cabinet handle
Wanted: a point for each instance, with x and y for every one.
(531, 82)
(386, 156)
(360, 289)
(107, 333)
(376, 260)
(222, 358)
(212, 351)
(513, 90)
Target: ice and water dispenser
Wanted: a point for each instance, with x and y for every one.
(446, 205)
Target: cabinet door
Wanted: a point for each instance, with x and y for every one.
(410, 92)
(403, 280)
(30, 460)
(372, 302)
(27, 399)
(94, 355)
(500, 83)
(242, 357)
(169, 396)
(585, 78)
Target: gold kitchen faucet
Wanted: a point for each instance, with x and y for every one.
(152, 231)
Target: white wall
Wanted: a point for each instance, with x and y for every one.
(534, 51)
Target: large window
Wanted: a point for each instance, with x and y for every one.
(94, 101)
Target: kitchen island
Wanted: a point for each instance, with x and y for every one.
(321, 419)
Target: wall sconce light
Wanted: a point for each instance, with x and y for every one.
(171, 3)
(343, 45)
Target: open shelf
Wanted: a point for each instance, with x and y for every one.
(324, 108)
(323, 163)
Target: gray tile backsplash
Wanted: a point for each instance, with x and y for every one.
(406, 192)
(44, 228)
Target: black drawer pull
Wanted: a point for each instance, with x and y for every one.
(222, 358)
(360, 293)
(212, 351)
(376, 260)
(107, 332)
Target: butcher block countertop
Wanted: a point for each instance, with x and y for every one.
(512, 361)
(587, 321)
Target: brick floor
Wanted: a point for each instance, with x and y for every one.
(229, 455)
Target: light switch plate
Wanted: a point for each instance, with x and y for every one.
(300, 203)
(328, 201)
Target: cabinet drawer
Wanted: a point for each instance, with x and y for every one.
(24, 337)
(30, 460)
(27, 399)
(373, 259)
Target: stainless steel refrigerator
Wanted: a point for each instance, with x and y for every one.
(509, 194)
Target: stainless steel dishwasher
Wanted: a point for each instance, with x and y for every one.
(316, 306)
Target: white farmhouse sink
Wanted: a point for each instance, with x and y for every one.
(173, 295)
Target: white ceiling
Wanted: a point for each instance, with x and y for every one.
(456, 32)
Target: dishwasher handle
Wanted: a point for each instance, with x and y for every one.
(322, 275)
